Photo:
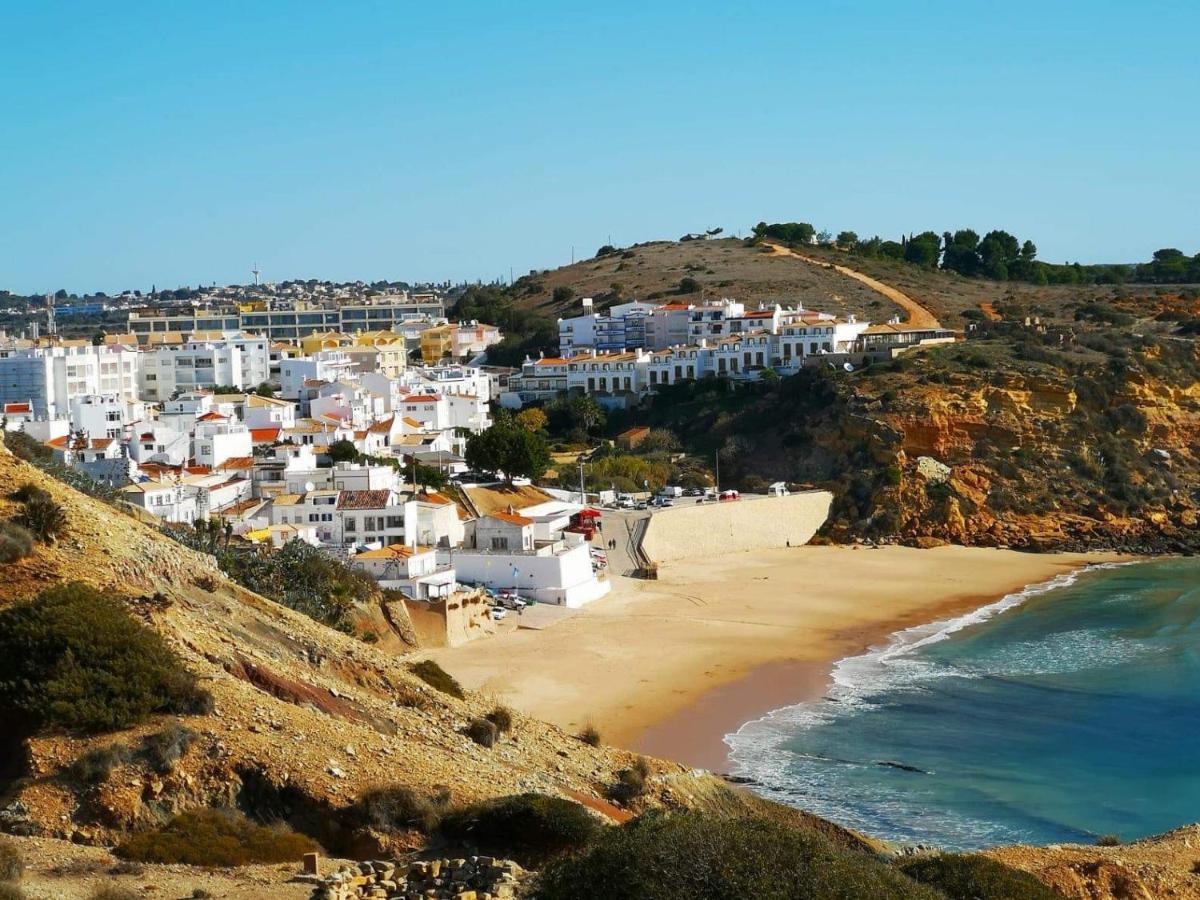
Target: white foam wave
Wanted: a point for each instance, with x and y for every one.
(755, 749)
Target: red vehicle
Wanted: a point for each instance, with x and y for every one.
(585, 522)
(726, 496)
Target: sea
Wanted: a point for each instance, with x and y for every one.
(1061, 713)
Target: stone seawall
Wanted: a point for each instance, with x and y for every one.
(712, 529)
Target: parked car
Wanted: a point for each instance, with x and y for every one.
(512, 601)
(642, 504)
(694, 492)
(498, 613)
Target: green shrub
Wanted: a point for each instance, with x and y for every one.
(11, 862)
(1108, 840)
(75, 658)
(396, 807)
(530, 828)
(502, 718)
(590, 735)
(482, 731)
(15, 542)
(631, 783)
(97, 764)
(972, 877)
(165, 748)
(437, 677)
(663, 857)
(43, 517)
(212, 837)
(10, 891)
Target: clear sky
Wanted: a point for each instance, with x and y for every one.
(179, 142)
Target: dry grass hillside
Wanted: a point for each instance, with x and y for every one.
(722, 268)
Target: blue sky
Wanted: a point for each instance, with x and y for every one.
(178, 143)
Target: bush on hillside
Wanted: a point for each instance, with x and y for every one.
(962, 876)
(213, 837)
(437, 677)
(27, 492)
(483, 732)
(75, 658)
(165, 748)
(11, 862)
(1108, 840)
(502, 718)
(530, 828)
(631, 783)
(590, 735)
(43, 517)
(97, 764)
(15, 542)
(396, 807)
(662, 857)
(113, 892)
(10, 891)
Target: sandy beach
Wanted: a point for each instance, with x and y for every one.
(669, 667)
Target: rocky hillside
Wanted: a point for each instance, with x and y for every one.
(305, 717)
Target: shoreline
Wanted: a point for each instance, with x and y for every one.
(670, 667)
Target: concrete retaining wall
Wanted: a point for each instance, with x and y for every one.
(711, 529)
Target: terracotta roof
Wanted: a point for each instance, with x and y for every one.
(16, 408)
(288, 499)
(550, 361)
(635, 430)
(422, 398)
(238, 462)
(211, 417)
(511, 518)
(101, 443)
(359, 435)
(363, 499)
(434, 498)
(382, 427)
(59, 442)
(265, 435)
(394, 551)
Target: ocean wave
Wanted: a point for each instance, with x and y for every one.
(756, 749)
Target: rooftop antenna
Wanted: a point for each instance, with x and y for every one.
(51, 326)
(255, 273)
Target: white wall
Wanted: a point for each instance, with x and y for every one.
(565, 578)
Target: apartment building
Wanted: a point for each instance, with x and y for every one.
(49, 378)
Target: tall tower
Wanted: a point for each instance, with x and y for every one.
(255, 273)
(51, 325)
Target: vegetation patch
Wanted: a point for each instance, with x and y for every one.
(663, 857)
(75, 658)
(12, 865)
(631, 783)
(963, 876)
(530, 828)
(16, 542)
(397, 807)
(437, 677)
(590, 735)
(211, 837)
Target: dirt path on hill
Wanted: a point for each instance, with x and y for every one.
(918, 315)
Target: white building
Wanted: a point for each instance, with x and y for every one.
(49, 378)
(324, 365)
(413, 570)
(105, 416)
(217, 438)
(240, 362)
(168, 501)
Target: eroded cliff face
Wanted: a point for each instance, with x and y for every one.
(1028, 461)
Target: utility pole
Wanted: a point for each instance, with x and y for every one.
(717, 476)
(582, 492)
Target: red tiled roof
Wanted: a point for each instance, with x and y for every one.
(363, 499)
(59, 442)
(238, 462)
(382, 427)
(16, 408)
(264, 435)
(511, 518)
(422, 398)
(211, 417)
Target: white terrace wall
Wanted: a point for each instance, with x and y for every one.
(712, 529)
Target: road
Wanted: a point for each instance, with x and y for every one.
(918, 315)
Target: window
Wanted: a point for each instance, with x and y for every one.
(395, 521)
(350, 525)
(499, 543)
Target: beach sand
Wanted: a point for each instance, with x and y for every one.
(669, 667)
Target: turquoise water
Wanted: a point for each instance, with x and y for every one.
(1065, 712)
